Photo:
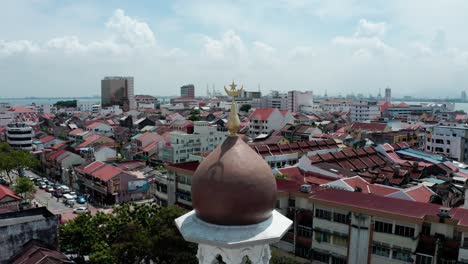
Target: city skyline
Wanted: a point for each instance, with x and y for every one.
(287, 45)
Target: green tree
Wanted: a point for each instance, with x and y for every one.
(131, 234)
(245, 108)
(24, 187)
(281, 258)
(65, 104)
(195, 112)
(194, 118)
(15, 160)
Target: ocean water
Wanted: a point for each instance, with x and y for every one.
(29, 101)
(458, 106)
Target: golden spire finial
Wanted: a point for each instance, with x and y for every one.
(233, 123)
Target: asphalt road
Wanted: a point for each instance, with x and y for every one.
(55, 205)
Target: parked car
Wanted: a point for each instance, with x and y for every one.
(80, 210)
(73, 194)
(50, 189)
(43, 185)
(64, 189)
(81, 200)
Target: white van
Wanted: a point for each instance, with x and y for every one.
(68, 199)
(64, 189)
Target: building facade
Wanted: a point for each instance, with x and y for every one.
(265, 120)
(300, 101)
(118, 91)
(19, 136)
(205, 138)
(450, 141)
(363, 110)
(187, 91)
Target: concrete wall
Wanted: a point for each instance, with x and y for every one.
(13, 236)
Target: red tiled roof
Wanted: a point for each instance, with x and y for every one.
(89, 168)
(21, 110)
(262, 113)
(283, 185)
(106, 172)
(190, 166)
(5, 191)
(93, 125)
(59, 145)
(56, 154)
(38, 255)
(368, 126)
(46, 139)
(381, 190)
(150, 146)
(461, 214)
(420, 194)
(75, 132)
(88, 141)
(376, 203)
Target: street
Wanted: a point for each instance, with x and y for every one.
(56, 206)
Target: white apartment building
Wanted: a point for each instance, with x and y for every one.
(300, 101)
(19, 136)
(450, 141)
(85, 106)
(205, 138)
(6, 116)
(335, 105)
(265, 120)
(273, 100)
(336, 227)
(363, 110)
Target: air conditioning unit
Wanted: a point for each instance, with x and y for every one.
(444, 212)
(306, 188)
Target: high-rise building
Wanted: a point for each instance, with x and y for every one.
(118, 91)
(187, 91)
(19, 136)
(388, 95)
(298, 100)
(463, 95)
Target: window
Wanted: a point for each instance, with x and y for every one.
(320, 257)
(319, 213)
(304, 231)
(403, 255)
(448, 150)
(383, 227)
(292, 203)
(322, 237)
(338, 260)
(340, 241)
(420, 259)
(404, 231)
(340, 218)
(381, 250)
(448, 141)
(426, 229)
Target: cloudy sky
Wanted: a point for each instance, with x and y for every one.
(64, 48)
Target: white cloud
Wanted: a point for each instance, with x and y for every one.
(130, 30)
(17, 47)
(370, 29)
(230, 46)
(68, 44)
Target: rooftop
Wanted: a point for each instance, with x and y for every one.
(378, 204)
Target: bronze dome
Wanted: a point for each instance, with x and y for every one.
(233, 186)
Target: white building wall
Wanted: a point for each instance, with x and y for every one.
(362, 110)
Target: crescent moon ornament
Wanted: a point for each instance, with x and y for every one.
(233, 123)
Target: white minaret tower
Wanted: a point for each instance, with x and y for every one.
(233, 196)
